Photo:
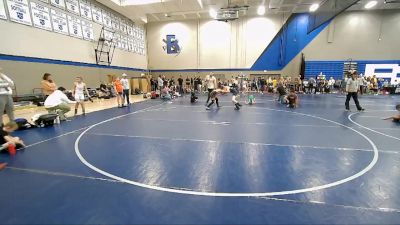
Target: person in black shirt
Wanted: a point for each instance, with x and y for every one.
(281, 91)
(180, 83)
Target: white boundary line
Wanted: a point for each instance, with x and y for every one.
(389, 210)
(211, 122)
(62, 135)
(45, 172)
(222, 194)
(245, 143)
(367, 128)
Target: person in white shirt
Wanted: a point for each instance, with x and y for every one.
(352, 87)
(125, 84)
(211, 83)
(79, 93)
(331, 83)
(58, 102)
(6, 100)
(160, 83)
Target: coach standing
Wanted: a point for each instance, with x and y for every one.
(352, 87)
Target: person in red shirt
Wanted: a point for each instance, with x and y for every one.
(119, 88)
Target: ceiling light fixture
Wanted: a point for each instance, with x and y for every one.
(314, 7)
(371, 4)
(261, 10)
(213, 13)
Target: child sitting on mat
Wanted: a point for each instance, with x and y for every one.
(251, 100)
(397, 117)
(8, 142)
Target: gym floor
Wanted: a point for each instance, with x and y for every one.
(176, 163)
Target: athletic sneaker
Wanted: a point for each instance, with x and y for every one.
(361, 110)
(207, 108)
(347, 110)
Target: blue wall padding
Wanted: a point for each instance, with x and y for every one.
(287, 44)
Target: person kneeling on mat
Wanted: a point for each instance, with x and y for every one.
(193, 97)
(165, 93)
(397, 117)
(8, 142)
(291, 99)
(58, 102)
(235, 96)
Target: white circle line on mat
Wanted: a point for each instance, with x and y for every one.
(370, 129)
(232, 194)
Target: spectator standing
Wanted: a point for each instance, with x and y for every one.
(48, 85)
(125, 84)
(6, 100)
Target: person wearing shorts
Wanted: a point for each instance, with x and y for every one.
(79, 94)
(125, 84)
(119, 88)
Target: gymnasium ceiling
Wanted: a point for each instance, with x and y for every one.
(167, 10)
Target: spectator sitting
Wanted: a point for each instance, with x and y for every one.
(165, 93)
(58, 102)
(103, 91)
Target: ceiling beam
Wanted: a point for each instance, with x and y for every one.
(155, 17)
(200, 3)
(198, 14)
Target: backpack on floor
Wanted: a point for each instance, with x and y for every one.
(44, 120)
(23, 124)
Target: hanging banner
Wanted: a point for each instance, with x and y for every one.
(135, 47)
(3, 14)
(117, 41)
(40, 16)
(59, 21)
(124, 43)
(106, 19)
(108, 36)
(122, 26)
(72, 6)
(130, 44)
(115, 22)
(134, 30)
(74, 25)
(87, 30)
(58, 3)
(96, 13)
(19, 11)
(86, 9)
(129, 30)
